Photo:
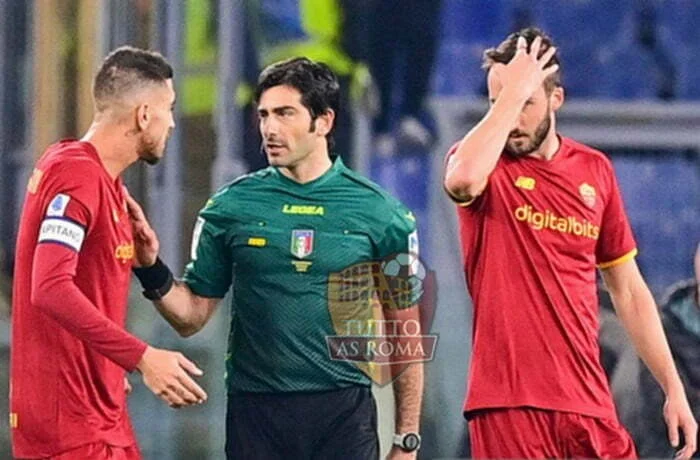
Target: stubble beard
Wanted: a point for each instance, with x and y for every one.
(520, 148)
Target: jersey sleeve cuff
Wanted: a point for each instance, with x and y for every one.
(204, 290)
(459, 202)
(133, 358)
(622, 259)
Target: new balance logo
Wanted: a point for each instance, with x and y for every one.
(525, 183)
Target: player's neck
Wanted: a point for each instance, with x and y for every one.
(115, 155)
(549, 147)
(315, 165)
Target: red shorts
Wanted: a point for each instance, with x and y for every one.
(100, 451)
(536, 433)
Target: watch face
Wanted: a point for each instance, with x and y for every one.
(411, 442)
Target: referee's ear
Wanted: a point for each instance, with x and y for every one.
(324, 122)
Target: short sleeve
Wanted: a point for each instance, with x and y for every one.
(400, 261)
(471, 204)
(616, 243)
(69, 204)
(400, 235)
(209, 273)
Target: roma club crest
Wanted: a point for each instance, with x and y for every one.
(302, 243)
(587, 194)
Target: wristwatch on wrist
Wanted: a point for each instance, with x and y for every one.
(408, 442)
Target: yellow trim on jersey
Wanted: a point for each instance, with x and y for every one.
(464, 204)
(619, 260)
(459, 202)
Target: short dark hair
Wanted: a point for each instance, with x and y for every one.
(504, 52)
(126, 68)
(318, 85)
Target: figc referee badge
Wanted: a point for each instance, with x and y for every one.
(302, 243)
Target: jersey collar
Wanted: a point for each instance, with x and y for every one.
(333, 171)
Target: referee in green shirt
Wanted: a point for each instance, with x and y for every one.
(281, 236)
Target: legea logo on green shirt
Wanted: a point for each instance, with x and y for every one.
(303, 209)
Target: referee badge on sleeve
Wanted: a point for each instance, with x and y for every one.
(413, 243)
(196, 234)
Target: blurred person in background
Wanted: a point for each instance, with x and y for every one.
(680, 314)
(538, 212)
(334, 32)
(5, 289)
(278, 236)
(402, 49)
(69, 349)
(620, 361)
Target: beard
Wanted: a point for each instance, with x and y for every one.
(520, 148)
(149, 150)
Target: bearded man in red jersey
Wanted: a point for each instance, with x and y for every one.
(538, 212)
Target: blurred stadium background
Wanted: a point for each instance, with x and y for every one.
(630, 72)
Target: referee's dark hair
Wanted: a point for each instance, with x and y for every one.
(505, 51)
(125, 69)
(318, 85)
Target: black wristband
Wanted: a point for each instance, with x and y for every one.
(156, 280)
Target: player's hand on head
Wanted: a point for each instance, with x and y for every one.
(526, 72)
(679, 419)
(168, 375)
(146, 242)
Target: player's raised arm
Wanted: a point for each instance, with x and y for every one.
(511, 84)
(184, 310)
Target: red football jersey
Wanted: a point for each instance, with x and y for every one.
(72, 273)
(531, 243)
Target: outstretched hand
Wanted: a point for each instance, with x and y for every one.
(168, 374)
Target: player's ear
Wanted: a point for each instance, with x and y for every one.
(324, 122)
(143, 116)
(556, 99)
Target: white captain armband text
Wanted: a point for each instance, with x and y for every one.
(62, 231)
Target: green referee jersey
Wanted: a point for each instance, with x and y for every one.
(278, 242)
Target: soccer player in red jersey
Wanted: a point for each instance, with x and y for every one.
(73, 267)
(538, 213)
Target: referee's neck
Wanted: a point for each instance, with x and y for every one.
(309, 168)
